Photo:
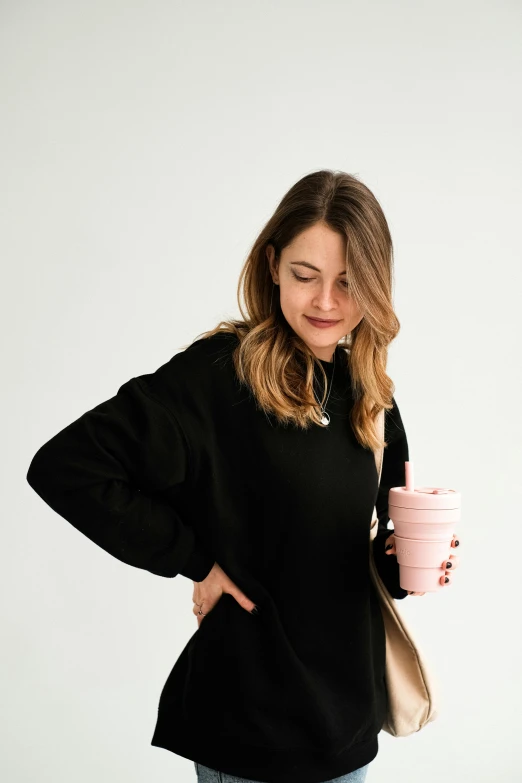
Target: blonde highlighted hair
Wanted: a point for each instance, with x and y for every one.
(274, 361)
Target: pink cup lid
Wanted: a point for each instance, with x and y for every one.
(424, 497)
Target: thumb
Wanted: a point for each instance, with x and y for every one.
(389, 545)
(241, 598)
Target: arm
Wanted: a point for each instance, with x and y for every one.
(393, 475)
(97, 471)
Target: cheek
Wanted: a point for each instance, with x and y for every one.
(352, 311)
(294, 297)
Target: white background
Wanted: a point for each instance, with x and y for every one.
(143, 147)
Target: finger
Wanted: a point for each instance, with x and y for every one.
(201, 617)
(241, 598)
(451, 563)
(455, 540)
(445, 580)
(390, 542)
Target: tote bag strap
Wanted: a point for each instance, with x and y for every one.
(411, 688)
(379, 454)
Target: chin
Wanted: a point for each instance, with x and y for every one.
(318, 344)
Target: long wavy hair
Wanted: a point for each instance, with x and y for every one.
(270, 358)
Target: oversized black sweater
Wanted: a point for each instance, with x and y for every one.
(181, 469)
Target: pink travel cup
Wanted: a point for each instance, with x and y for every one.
(424, 522)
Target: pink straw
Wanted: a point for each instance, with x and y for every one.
(410, 484)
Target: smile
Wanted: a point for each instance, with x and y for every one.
(320, 323)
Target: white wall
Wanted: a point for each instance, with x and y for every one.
(143, 147)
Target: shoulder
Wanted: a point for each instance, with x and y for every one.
(207, 358)
(394, 427)
(192, 373)
(215, 348)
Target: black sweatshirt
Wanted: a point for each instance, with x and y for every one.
(181, 469)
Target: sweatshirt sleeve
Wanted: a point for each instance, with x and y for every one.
(393, 475)
(98, 473)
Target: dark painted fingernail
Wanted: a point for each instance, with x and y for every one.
(390, 546)
(255, 610)
(447, 579)
(448, 564)
(457, 542)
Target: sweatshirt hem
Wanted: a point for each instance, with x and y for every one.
(294, 765)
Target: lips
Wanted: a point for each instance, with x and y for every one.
(320, 321)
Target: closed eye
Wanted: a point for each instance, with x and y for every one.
(308, 279)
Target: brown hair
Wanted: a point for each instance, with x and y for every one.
(270, 358)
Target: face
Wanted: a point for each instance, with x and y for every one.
(312, 280)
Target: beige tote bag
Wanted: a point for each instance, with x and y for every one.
(412, 692)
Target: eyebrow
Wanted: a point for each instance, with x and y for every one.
(310, 266)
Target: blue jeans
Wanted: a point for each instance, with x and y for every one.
(208, 775)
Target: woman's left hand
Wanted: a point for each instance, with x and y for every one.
(448, 565)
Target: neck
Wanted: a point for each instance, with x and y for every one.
(330, 359)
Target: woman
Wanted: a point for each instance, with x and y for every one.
(245, 463)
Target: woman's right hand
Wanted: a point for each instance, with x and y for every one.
(209, 591)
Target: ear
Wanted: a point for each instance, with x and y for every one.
(272, 263)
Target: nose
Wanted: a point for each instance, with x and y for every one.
(325, 298)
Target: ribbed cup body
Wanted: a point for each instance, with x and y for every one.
(424, 522)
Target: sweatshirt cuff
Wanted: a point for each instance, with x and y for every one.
(387, 566)
(198, 566)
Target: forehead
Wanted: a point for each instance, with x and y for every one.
(318, 245)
